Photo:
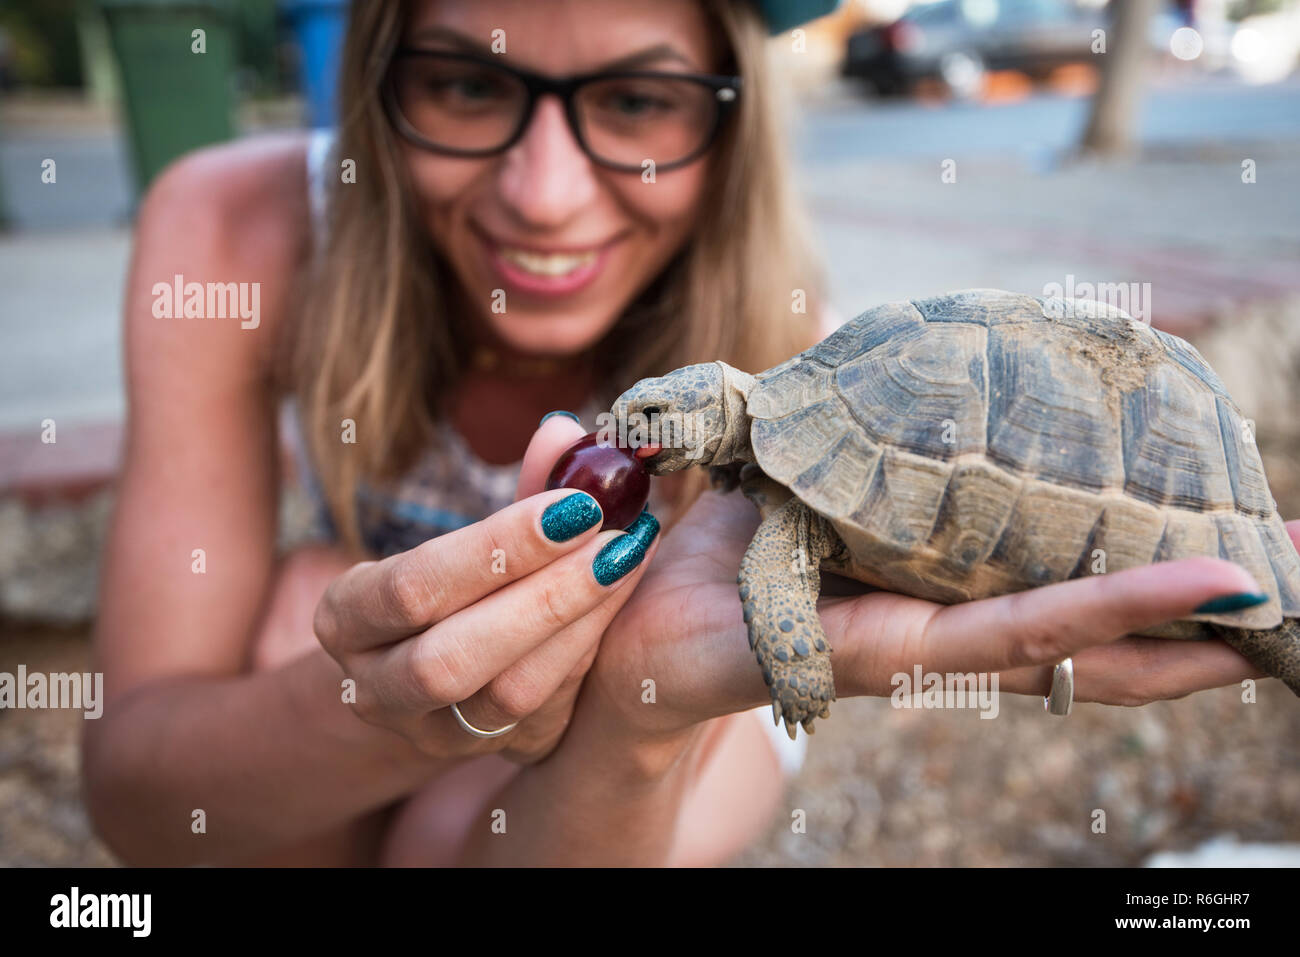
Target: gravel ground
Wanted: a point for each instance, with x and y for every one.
(881, 786)
(889, 787)
(42, 821)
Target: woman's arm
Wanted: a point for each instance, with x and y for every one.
(267, 757)
(599, 800)
(279, 754)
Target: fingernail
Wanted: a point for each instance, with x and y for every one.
(570, 516)
(622, 554)
(1242, 599)
(558, 412)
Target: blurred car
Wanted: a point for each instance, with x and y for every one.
(957, 41)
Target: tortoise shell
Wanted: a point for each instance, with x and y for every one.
(985, 442)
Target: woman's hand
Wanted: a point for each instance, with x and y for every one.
(683, 630)
(495, 617)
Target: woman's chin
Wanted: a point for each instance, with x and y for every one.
(549, 334)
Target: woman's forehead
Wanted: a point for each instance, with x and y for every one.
(572, 36)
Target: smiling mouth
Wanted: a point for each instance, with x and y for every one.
(548, 273)
(550, 265)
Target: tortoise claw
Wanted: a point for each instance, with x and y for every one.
(802, 689)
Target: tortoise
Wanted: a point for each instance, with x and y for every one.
(971, 445)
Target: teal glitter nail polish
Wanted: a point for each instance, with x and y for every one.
(558, 412)
(622, 554)
(1242, 599)
(570, 516)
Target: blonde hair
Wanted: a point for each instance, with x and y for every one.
(375, 345)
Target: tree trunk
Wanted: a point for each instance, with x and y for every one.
(1112, 125)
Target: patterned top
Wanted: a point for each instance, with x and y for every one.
(448, 488)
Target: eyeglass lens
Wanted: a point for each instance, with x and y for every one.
(470, 106)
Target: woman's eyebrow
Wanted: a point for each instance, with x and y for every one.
(654, 54)
(662, 51)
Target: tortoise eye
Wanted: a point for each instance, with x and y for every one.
(650, 410)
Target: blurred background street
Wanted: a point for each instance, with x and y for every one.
(939, 146)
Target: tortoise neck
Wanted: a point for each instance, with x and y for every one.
(735, 445)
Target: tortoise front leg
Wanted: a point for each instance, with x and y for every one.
(779, 581)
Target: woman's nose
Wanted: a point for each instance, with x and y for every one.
(546, 178)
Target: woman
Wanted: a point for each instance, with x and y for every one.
(496, 243)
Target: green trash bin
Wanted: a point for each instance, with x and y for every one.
(175, 98)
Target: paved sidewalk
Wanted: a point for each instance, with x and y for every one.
(1206, 242)
(60, 321)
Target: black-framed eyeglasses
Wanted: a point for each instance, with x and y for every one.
(464, 104)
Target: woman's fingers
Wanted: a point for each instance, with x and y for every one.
(1042, 626)
(532, 686)
(375, 603)
(550, 440)
(461, 654)
(1136, 671)
(544, 681)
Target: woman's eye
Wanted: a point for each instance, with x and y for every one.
(630, 103)
(469, 88)
(466, 90)
(633, 105)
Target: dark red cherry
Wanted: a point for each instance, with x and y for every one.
(614, 477)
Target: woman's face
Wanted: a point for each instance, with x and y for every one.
(569, 243)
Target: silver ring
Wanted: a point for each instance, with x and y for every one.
(477, 732)
(1061, 697)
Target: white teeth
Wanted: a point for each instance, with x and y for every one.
(547, 264)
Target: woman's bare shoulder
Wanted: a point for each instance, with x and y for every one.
(252, 193)
(233, 213)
